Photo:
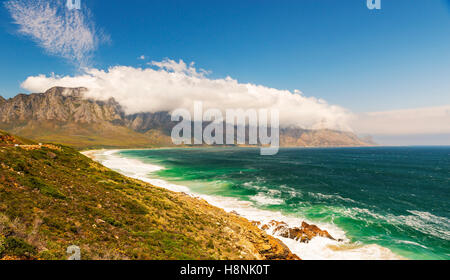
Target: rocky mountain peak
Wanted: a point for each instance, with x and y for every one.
(78, 92)
(58, 104)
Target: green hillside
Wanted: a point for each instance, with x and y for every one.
(52, 197)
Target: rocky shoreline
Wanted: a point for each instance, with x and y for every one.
(266, 245)
(244, 235)
(303, 234)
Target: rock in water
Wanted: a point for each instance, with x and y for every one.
(304, 234)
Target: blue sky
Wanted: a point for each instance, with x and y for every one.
(363, 60)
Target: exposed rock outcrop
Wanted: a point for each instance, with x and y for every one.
(59, 104)
(8, 140)
(304, 234)
(268, 247)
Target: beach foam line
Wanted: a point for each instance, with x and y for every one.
(132, 168)
(318, 248)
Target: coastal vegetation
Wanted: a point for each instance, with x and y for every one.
(52, 197)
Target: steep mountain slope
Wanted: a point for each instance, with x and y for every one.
(320, 138)
(62, 115)
(52, 197)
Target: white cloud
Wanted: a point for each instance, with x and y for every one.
(432, 120)
(60, 31)
(170, 85)
(181, 67)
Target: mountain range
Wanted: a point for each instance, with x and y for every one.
(63, 115)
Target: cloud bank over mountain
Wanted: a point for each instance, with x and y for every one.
(59, 31)
(169, 85)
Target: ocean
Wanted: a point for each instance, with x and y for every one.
(384, 202)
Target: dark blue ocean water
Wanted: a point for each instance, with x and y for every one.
(398, 198)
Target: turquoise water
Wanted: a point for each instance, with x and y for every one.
(398, 198)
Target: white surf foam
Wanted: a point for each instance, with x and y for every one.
(263, 199)
(318, 249)
(133, 168)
